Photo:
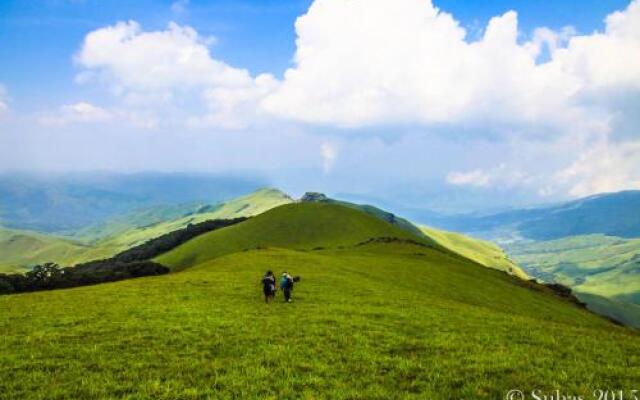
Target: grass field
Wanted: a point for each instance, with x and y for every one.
(376, 321)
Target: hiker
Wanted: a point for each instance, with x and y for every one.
(269, 286)
(286, 284)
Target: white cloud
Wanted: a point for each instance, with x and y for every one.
(412, 63)
(603, 168)
(4, 100)
(76, 113)
(162, 69)
(476, 177)
(329, 153)
(500, 176)
(179, 6)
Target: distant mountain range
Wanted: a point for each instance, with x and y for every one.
(613, 214)
(65, 203)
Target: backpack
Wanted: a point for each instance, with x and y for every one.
(285, 282)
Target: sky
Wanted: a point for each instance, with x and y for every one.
(448, 105)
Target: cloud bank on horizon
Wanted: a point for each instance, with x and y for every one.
(377, 92)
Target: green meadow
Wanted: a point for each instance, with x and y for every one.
(372, 318)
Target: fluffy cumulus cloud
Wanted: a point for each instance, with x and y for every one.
(604, 167)
(373, 65)
(160, 69)
(362, 62)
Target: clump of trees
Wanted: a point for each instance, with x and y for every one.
(132, 263)
(51, 276)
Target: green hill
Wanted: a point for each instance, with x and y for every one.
(371, 319)
(315, 197)
(20, 249)
(298, 226)
(244, 206)
(481, 251)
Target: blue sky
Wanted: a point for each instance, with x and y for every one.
(505, 133)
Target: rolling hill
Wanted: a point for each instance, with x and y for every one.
(307, 225)
(19, 249)
(392, 318)
(245, 206)
(481, 251)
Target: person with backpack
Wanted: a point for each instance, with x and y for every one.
(286, 284)
(269, 286)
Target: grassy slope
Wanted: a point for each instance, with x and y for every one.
(245, 206)
(21, 248)
(380, 321)
(480, 251)
(300, 226)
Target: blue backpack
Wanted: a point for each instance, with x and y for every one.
(284, 282)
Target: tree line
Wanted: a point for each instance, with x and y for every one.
(132, 263)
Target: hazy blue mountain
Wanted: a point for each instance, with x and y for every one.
(63, 203)
(612, 214)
